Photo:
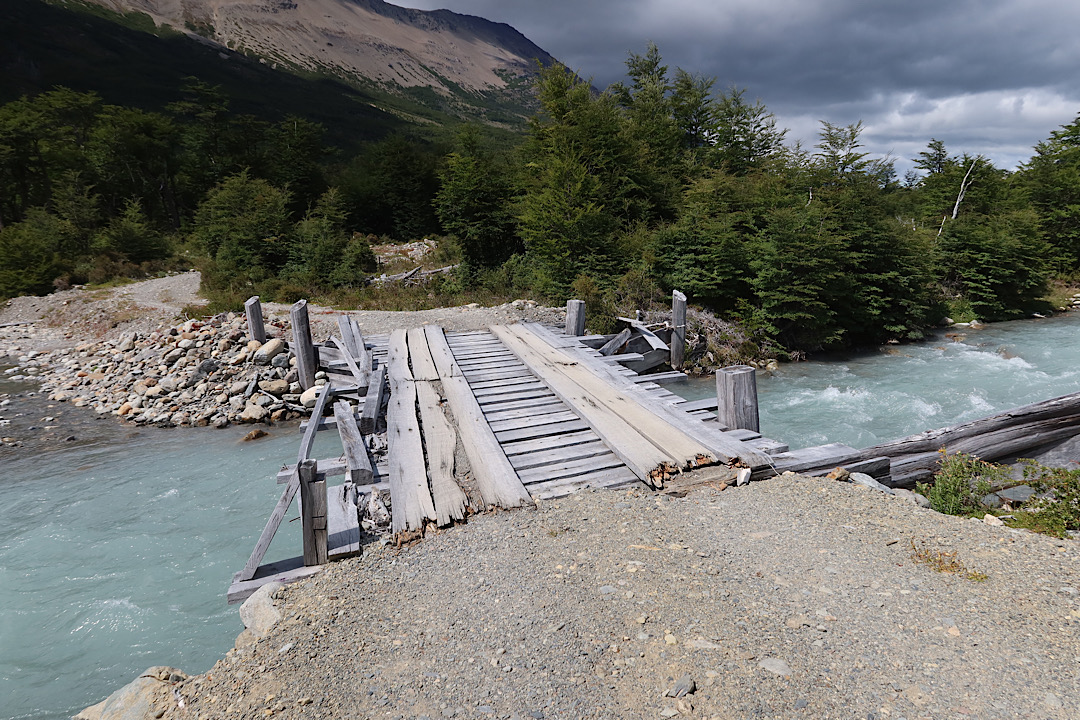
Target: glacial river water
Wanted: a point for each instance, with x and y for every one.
(115, 552)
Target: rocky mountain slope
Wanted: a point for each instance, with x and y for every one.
(367, 39)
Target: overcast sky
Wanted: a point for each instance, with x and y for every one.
(984, 76)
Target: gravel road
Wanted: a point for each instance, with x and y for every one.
(787, 598)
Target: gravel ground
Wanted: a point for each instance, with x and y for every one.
(784, 599)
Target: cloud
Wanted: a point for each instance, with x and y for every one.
(984, 76)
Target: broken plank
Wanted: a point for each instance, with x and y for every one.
(373, 401)
(411, 503)
(423, 367)
(355, 450)
(440, 440)
(614, 344)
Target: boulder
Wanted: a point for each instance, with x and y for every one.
(1016, 495)
(276, 388)
(135, 701)
(863, 479)
(308, 397)
(253, 413)
(269, 351)
(259, 613)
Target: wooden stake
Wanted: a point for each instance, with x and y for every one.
(313, 505)
(678, 329)
(736, 398)
(575, 317)
(306, 359)
(255, 319)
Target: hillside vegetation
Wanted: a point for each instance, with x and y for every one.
(660, 182)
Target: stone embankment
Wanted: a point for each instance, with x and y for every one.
(196, 373)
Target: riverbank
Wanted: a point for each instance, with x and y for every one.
(790, 598)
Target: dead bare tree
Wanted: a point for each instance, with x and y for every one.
(964, 185)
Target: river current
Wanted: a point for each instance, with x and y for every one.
(115, 553)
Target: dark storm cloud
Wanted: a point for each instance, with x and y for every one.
(992, 76)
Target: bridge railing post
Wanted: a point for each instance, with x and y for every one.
(678, 329)
(575, 317)
(736, 398)
(253, 309)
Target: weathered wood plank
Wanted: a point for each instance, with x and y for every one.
(552, 456)
(253, 310)
(313, 514)
(359, 375)
(575, 317)
(284, 571)
(541, 431)
(357, 460)
(374, 401)
(307, 358)
(611, 478)
(664, 377)
(613, 345)
(440, 440)
(495, 476)
(550, 405)
(566, 439)
(411, 503)
(342, 522)
(561, 414)
(571, 468)
(708, 403)
(423, 367)
(487, 386)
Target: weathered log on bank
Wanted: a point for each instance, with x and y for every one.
(1011, 433)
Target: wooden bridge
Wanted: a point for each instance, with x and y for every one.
(535, 412)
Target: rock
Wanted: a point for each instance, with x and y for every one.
(1016, 495)
(683, 686)
(607, 589)
(775, 665)
(254, 413)
(863, 479)
(127, 343)
(308, 397)
(255, 435)
(839, 474)
(276, 388)
(269, 351)
(168, 383)
(134, 701)
(990, 500)
(743, 476)
(992, 520)
(281, 360)
(259, 613)
(153, 392)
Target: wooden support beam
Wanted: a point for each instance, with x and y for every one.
(615, 344)
(355, 450)
(373, 402)
(360, 376)
(287, 495)
(736, 398)
(313, 504)
(253, 310)
(575, 317)
(678, 329)
(306, 357)
(496, 478)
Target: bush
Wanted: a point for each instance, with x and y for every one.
(961, 483)
(1059, 510)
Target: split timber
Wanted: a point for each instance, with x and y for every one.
(538, 414)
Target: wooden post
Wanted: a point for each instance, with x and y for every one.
(304, 350)
(678, 329)
(575, 317)
(255, 319)
(313, 502)
(736, 398)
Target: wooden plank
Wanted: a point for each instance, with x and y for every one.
(342, 522)
(566, 439)
(330, 423)
(360, 376)
(571, 468)
(355, 449)
(650, 446)
(502, 385)
(612, 346)
(440, 441)
(423, 367)
(708, 403)
(549, 405)
(664, 377)
(611, 478)
(649, 360)
(561, 414)
(352, 345)
(489, 375)
(307, 359)
(489, 408)
(551, 456)
(488, 364)
(441, 354)
(678, 329)
(531, 392)
(364, 355)
(313, 514)
(541, 431)
(411, 503)
(285, 571)
(283, 503)
(373, 401)
(725, 448)
(495, 476)
(253, 310)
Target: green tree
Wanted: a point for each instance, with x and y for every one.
(746, 137)
(1052, 177)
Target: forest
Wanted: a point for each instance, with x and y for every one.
(661, 181)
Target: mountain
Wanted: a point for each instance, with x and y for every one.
(462, 64)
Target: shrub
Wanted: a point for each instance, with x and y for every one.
(1058, 511)
(961, 482)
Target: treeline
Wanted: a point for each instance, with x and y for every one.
(660, 182)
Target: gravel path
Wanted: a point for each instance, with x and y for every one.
(784, 599)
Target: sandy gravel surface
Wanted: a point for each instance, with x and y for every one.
(789, 598)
